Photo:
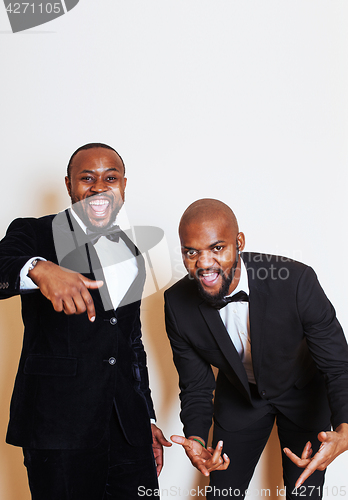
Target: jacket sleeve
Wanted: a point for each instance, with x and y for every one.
(196, 380)
(326, 342)
(16, 248)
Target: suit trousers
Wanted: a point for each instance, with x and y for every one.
(112, 470)
(244, 448)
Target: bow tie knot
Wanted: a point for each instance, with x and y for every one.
(237, 297)
(112, 233)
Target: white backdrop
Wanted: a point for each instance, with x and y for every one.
(244, 101)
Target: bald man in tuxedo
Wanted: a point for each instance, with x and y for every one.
(265, 323)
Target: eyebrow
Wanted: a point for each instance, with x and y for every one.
(86, 171)
(210, 246)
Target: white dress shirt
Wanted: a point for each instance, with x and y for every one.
(235, 317)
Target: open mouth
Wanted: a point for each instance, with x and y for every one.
(208, 277)
(99, 207)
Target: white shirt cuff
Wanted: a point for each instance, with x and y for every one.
(25, 282)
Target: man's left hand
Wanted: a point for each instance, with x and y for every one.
(333, 443)
(158, 441)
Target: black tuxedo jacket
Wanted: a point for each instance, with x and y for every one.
(299, 352)
(71, 371)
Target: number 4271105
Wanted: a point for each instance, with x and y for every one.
(41, 8)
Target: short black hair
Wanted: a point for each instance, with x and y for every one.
(92, 145)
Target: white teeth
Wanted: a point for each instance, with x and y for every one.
(207, 274)
(99, 202)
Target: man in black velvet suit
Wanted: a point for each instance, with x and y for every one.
(81, 407)
(266, 324)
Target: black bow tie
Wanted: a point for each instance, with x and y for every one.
(113, 234)
(238, 297)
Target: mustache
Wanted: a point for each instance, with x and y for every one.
(105, 196)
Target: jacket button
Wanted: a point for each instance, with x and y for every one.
(112, 361)
(263, 393)
(113, 321)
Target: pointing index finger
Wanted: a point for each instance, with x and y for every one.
(86, 296)
(91, 284)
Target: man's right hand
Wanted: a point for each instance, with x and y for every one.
(205, 460)
(67, 290)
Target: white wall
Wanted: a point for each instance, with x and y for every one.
(244, 101)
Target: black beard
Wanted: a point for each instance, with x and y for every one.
(217, 299)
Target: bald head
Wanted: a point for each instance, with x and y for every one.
(208, 210)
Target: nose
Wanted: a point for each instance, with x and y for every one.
(99, 186)
(205, 259)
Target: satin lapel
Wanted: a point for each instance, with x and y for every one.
(218, 330)
(98, 273)
(135, 291)
(64, 237)
(258, 296)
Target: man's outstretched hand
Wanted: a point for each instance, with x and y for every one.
(333, 443)
(205, 460)
(67, 290)
(158, 441)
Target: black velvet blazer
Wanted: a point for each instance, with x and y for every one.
(71, 371)
(299, 352)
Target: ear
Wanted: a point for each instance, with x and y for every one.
(68, 185)
(240, 241)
